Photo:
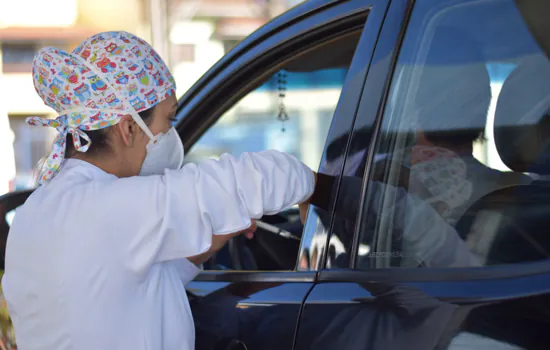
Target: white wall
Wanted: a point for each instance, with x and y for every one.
(207, 52)
(23, 99)
(107, 15)
(38, 13)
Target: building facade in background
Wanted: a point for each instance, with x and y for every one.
(200, 32)
(25, 27)
(191, 35)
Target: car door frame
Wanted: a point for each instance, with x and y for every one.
(209, 283)
(248, 58)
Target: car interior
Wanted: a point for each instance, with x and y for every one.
(276, 245)
(511, 218)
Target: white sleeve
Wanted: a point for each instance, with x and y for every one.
(431, 239)
(177, 213)
(426, 236)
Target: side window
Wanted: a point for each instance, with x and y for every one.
(290, 112)
(460, 169)
(290, 109)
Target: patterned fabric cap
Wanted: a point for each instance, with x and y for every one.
(108, 76)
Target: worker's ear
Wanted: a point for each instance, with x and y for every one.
(127, 129)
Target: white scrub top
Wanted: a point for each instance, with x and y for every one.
(97, 262)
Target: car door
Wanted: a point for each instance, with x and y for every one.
(259, 304)
(438, 232)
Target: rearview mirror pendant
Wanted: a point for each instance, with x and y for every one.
(282, 81)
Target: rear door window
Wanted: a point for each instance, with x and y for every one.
(462, 163)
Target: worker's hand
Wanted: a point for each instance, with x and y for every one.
(218, 241)
(249, 232)
(304, 206)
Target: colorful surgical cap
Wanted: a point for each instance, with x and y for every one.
(106, 77)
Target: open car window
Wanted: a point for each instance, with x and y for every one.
(290, 109)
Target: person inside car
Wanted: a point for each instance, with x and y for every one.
(447, 116)
(98, 256)
(449, 119)
(426, 239)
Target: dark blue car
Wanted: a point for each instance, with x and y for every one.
(429, 123)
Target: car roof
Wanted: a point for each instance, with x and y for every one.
(302, 10)
(496, 44)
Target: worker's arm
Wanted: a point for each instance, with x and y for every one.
(177, 214)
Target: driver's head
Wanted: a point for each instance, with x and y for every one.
(115, 98)
(453, 93)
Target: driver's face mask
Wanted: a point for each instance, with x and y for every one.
(439, 177)
(164, 151)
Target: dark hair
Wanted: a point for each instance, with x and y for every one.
(455, 137)
(99, 138)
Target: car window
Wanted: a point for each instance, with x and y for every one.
(289, 110)
(460, 173)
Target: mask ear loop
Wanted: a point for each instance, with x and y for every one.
(129, 109)
(139, 121)
(135, 116)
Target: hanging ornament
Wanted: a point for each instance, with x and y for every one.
(281, 86)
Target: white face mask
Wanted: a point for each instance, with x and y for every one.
(164, 151)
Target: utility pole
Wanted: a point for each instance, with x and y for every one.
(159, 28)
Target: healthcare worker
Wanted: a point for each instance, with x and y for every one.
(98, 256)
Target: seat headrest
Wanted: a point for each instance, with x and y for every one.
(454, 91)
(522, 123)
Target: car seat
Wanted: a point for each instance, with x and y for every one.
(510, 225)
